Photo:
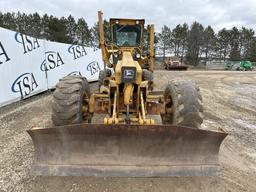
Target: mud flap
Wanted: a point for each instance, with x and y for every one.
(125, 151)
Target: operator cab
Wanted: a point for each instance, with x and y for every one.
(127, 32)
(126, 36)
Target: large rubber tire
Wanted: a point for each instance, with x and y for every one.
(183, 103)
(102, 75)
(148, 76)
(71, 101)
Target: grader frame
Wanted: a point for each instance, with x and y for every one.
(124, 109)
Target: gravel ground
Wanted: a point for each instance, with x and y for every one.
(229, 102)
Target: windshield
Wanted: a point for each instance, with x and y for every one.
(126, 35)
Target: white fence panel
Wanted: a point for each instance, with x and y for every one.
(65, 59)
(215, 65)
(29, 65)
(20, 57)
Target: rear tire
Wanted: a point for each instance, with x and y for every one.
(183, 104)
(71, 101)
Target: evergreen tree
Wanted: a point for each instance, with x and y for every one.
(184, 36)
(234, 44)
(57, 30)
(246, 37)
(36, 27)
(9, 21)
(45, 27)
(179, 39)
(176, 40)
(1, 19)
(70, 25)
(235, 52)
(83, 33)
(164, 40)
(95, 35)
(222, 45)
(194, 43)
(209, 41)
(252, 50)
(21, 19)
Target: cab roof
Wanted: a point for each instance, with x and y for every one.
(126, 21)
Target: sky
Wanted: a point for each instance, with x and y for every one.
(217, 13)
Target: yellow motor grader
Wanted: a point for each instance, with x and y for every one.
(127, 141)
(174, 63)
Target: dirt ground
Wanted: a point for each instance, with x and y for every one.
(229, 103)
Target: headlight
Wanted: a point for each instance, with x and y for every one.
(137, 55)
(115, 55)
(128, 74)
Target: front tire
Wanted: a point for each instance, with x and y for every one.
(183, 104)
(71, 101)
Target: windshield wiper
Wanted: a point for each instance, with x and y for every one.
(121, 28)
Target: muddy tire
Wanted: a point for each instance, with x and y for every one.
(183, 103)
(148, 76)
(71, 101)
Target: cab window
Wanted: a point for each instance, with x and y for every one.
(126, 35)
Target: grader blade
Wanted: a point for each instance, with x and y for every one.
(125, 151)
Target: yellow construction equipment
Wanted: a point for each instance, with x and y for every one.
(174, 63)
(142, 133)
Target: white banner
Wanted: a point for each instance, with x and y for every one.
(64, 59)
(29, 65)
(20, 57)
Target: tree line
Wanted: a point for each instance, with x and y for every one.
(192, 43)
(197, 43)
(64, 29)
